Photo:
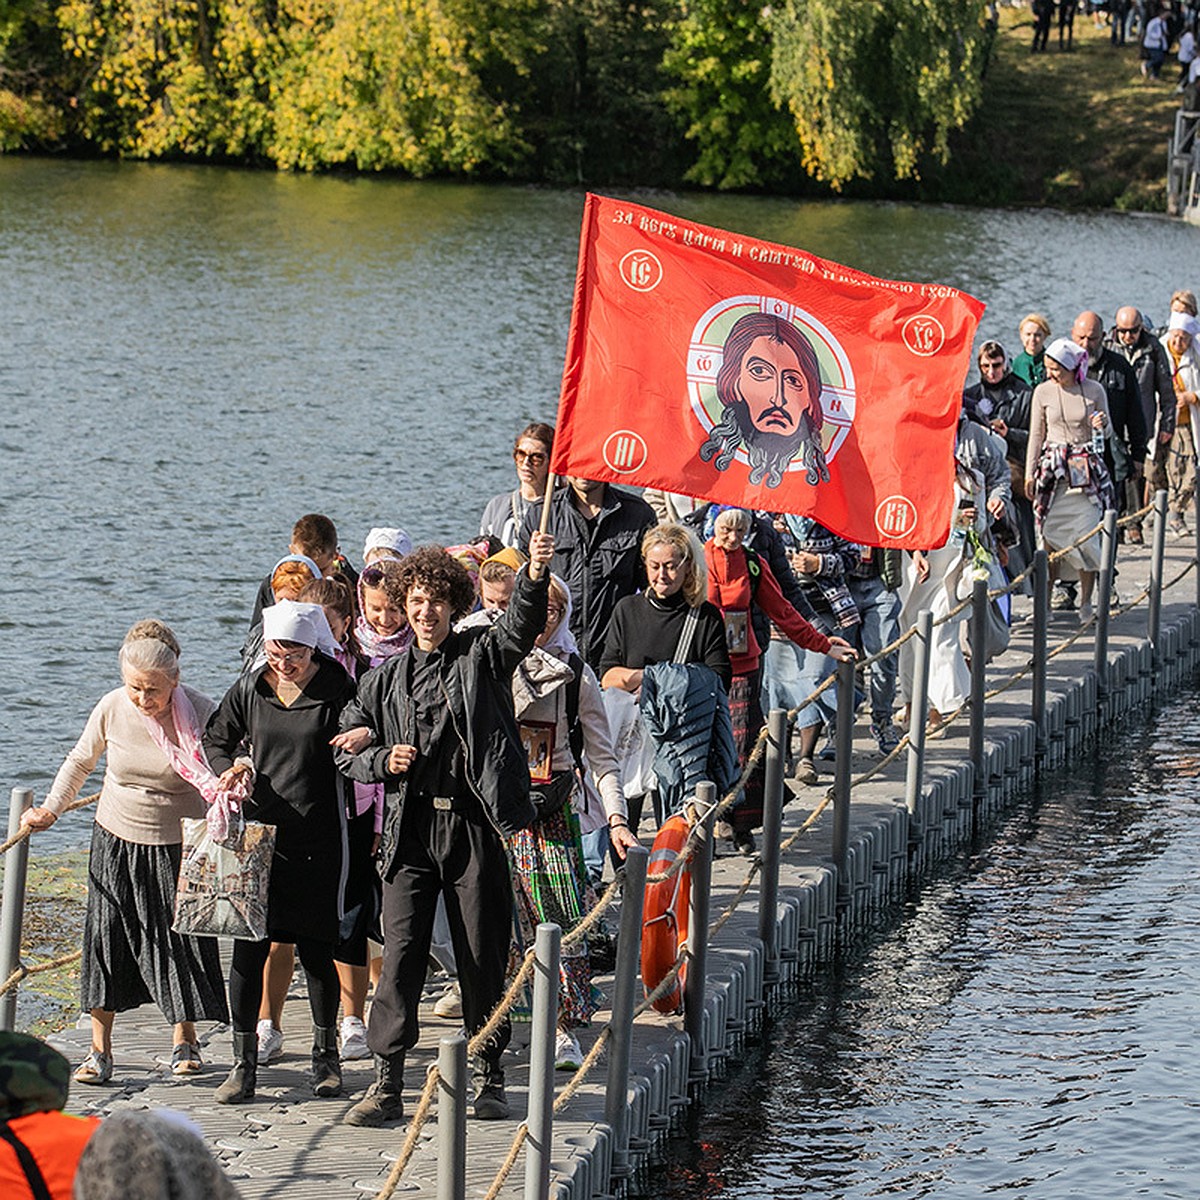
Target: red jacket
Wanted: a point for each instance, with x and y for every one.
(56, 1140)
(731, 589)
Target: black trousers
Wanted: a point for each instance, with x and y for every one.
(246, 981)
(460, 856)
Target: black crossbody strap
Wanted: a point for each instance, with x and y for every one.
(28, 1164)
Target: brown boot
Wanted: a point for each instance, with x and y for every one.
(238, 1087)
(384, 1101)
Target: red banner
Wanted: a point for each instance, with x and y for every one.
(735, 370)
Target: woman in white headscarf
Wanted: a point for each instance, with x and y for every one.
(1065, 473)
(576, 784)
(1180, 344)
(287, 710)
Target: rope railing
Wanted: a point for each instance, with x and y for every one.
(740, 893)
(576, 1081)
(78, 802)
(1130, 518)
(754, 758)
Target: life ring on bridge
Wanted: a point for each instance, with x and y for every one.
(665, 915)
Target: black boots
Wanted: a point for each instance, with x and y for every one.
(238, 1087)
(326, 1065)
(383, 1102)
(487, 1075)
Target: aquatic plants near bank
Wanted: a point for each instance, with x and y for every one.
(726, 95)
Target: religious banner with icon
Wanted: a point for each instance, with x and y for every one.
(740, 371)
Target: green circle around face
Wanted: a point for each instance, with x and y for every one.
(716, 332)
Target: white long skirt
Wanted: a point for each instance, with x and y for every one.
(1070, 516)
(949, 677)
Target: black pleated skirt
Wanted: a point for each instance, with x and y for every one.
(131, 956)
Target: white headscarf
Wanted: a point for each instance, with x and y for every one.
(1066, 354)
(1184, 321)
(386, 538)
(562, 642)
(294, 621)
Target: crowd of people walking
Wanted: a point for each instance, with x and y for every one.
(452, 743)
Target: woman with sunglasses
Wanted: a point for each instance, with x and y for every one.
(503, 514)
(287, 711)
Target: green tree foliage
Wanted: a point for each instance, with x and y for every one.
(590, 103)
(875, 85)
(590, 91)
(720, 53)
(29, 56)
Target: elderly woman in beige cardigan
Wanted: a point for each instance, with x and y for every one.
(148, 732)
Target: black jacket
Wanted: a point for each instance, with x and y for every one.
(600, 565)
(1120, 385)
(1153, 374)
(1008, 401)
(477, 668)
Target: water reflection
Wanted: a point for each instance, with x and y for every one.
(1024, 1029)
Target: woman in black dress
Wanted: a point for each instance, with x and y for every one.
(287, 712)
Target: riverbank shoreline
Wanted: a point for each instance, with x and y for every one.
(286, 1134)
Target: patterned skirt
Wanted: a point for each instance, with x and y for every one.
(745, 711)
(131, 956)
(551, 884)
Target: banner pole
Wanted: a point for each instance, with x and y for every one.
(535, 569)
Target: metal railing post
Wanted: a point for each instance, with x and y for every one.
(1108, 558)
(453, 1097)
(978, 641)
(1156, 573)
(540, 1121)
(841, 780)
(699, 906)
(629, 953)
(16, 865)
(1041, 617)
(918, 721)
(1196, 545)
(768, 892)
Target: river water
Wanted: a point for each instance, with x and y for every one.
(192, 357)
(1025, 1028)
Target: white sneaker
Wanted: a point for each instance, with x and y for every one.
(448, 1005)
(354, 1038)
(567, 1054)
(270, 1041)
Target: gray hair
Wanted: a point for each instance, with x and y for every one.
(151, 646)
(739, 518)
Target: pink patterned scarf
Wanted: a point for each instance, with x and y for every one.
(188, 761)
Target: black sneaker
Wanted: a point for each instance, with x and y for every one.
(491, 1104)
(887, 735)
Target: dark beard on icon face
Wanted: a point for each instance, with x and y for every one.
(769, 453)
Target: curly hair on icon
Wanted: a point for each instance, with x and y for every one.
(769, 386)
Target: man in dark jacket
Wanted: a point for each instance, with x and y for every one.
(444, 742)
(1001, 400)
(1126, 449)
(598, 533)
(1130, 339)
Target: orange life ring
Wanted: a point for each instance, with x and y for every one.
(665, 914)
